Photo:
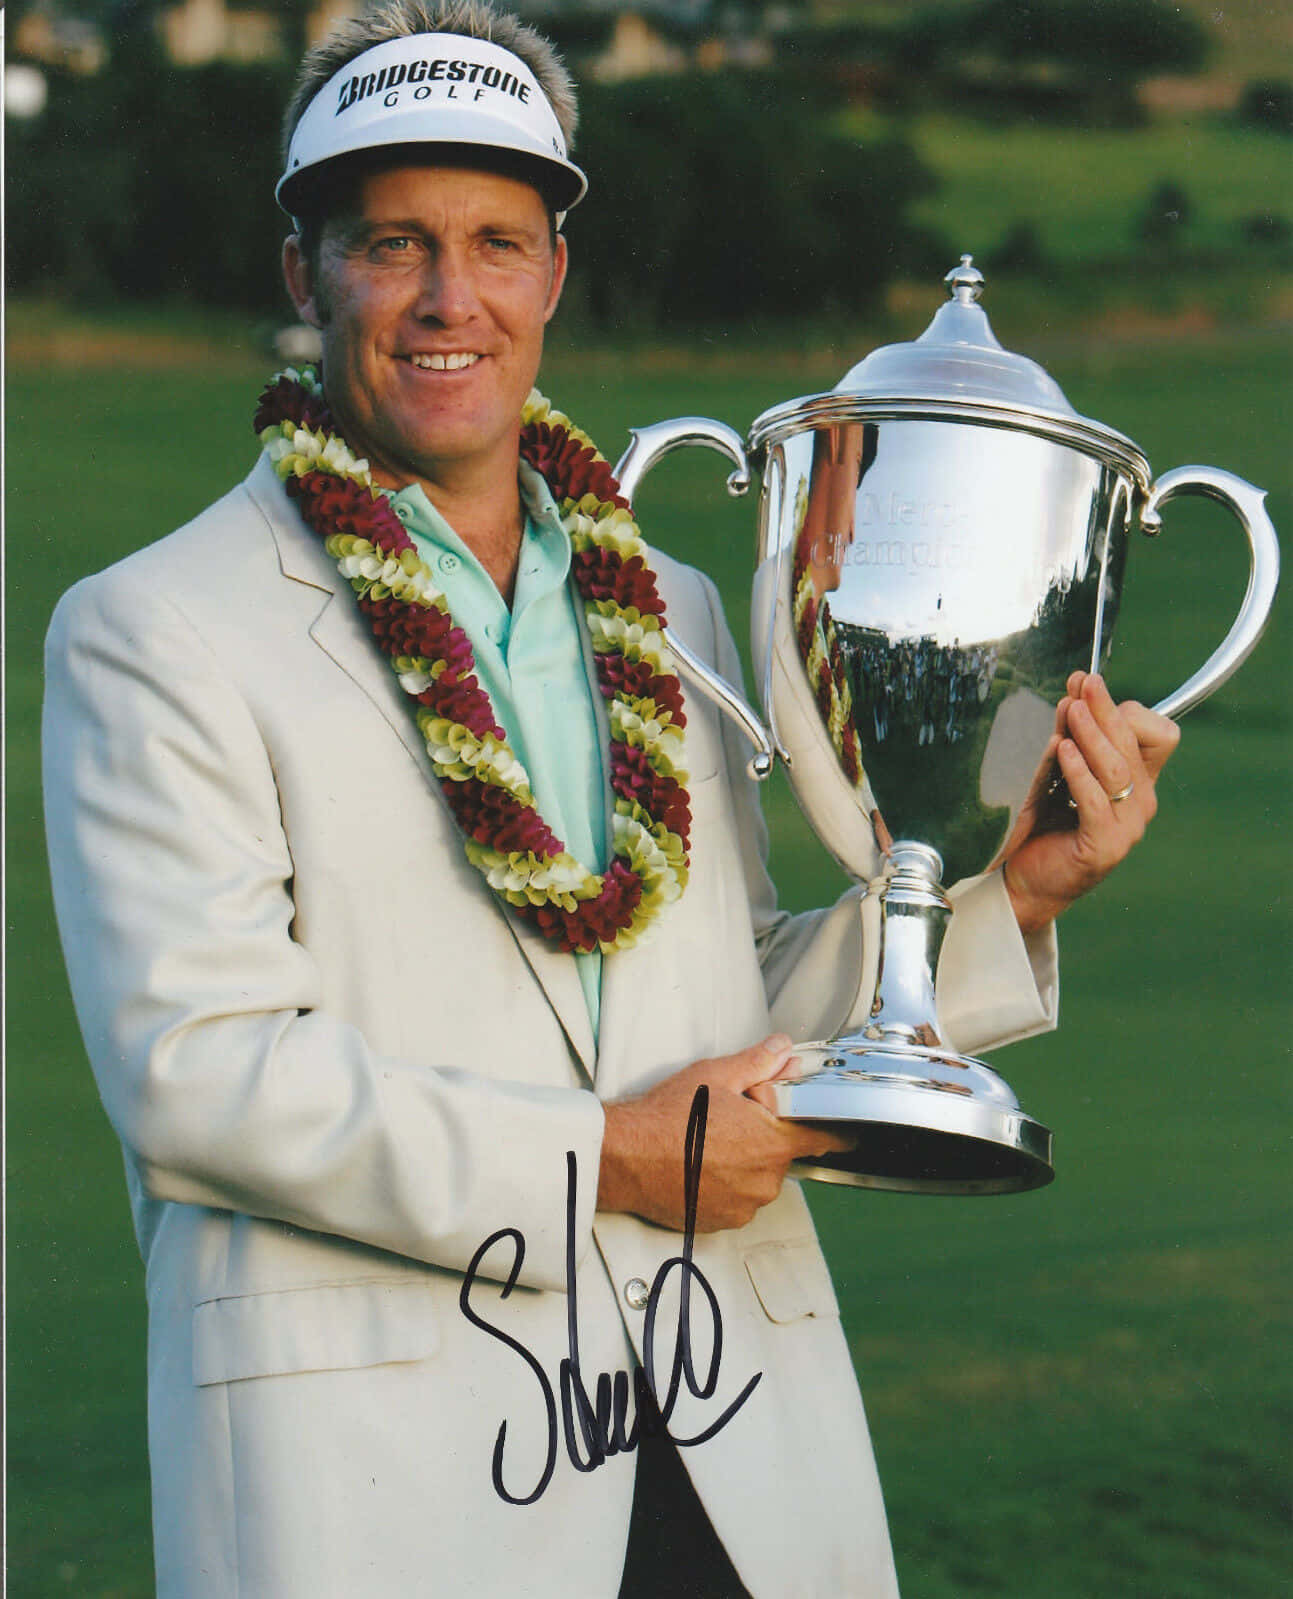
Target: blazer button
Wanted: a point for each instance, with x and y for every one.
(637, 1293)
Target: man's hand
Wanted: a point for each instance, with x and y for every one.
(1111, 756)
(748, 1150)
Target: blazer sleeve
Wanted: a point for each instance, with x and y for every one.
(225, 1077)
(994, 985)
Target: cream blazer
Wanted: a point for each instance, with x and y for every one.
(338, 1067)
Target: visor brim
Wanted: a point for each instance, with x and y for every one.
(559, 181)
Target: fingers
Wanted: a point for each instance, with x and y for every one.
(1089, 792)
(1110, 757)
(803, 1138)
(1105, 739)
(1126, 746)
(763, 1092)
(1133, 727)
(1157, 736)
(754, 1073)
(750, 1067)
(811, 1139)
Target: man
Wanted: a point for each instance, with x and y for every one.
(407, 1173)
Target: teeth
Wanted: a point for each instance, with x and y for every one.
(445, 363)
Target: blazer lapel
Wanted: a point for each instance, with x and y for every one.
(340, 631)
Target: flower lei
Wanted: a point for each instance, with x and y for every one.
(486, 785)
(819, 649)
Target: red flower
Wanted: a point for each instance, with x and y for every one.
(285, 401)
(824, 692)
(664, 798)
(492, 816)
(332, 504)
(571, 469)
(462, 700)
(403, 629)
(593, 920)
(637, 679)
(807, 627)
(603, 574)
(849, 752)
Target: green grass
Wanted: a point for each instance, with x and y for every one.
(1085, 188)
(1076, 1392)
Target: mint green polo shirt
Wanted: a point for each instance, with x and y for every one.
(530, 661)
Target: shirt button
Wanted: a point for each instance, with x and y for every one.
(403, 512)
(637, 1293)
(449, 562)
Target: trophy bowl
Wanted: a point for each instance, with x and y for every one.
(942, 541)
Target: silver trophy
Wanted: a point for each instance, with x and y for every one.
(941, 542)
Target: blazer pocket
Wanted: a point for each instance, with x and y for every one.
(326, 1328)
(791, 1279)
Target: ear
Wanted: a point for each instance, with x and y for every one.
(560, 261)
(300, 281)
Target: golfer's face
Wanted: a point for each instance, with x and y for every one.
(433, 302)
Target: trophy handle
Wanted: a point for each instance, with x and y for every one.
(647, 446)
(1247, 503)
(650, 444)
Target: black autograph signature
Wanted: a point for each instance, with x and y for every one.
(604, 1427)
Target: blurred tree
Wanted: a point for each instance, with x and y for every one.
(1165, 214)
(148, 182)
(1267, 230)
(1267, 103)
(729, 195)
(1120, 39)
(1085, 56)
(1020, 250)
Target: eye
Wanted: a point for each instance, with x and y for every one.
(393, 244)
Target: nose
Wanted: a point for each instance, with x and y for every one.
(447, 294)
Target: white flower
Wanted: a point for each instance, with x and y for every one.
(564, 874)
(631, 638)
(336, 457)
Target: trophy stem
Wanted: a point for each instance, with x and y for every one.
(913, 921)
(922, 1117)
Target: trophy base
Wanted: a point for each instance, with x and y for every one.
(924, 1121)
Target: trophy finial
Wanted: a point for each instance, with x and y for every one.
(965, 282)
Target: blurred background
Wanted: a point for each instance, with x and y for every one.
(1075, 1392)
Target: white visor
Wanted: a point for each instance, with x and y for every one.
(436, 89)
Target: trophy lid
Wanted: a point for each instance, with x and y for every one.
(957, 357)
(956, 371)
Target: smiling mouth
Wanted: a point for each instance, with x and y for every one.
(454, 362)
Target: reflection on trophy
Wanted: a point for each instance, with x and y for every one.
(941, 542)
